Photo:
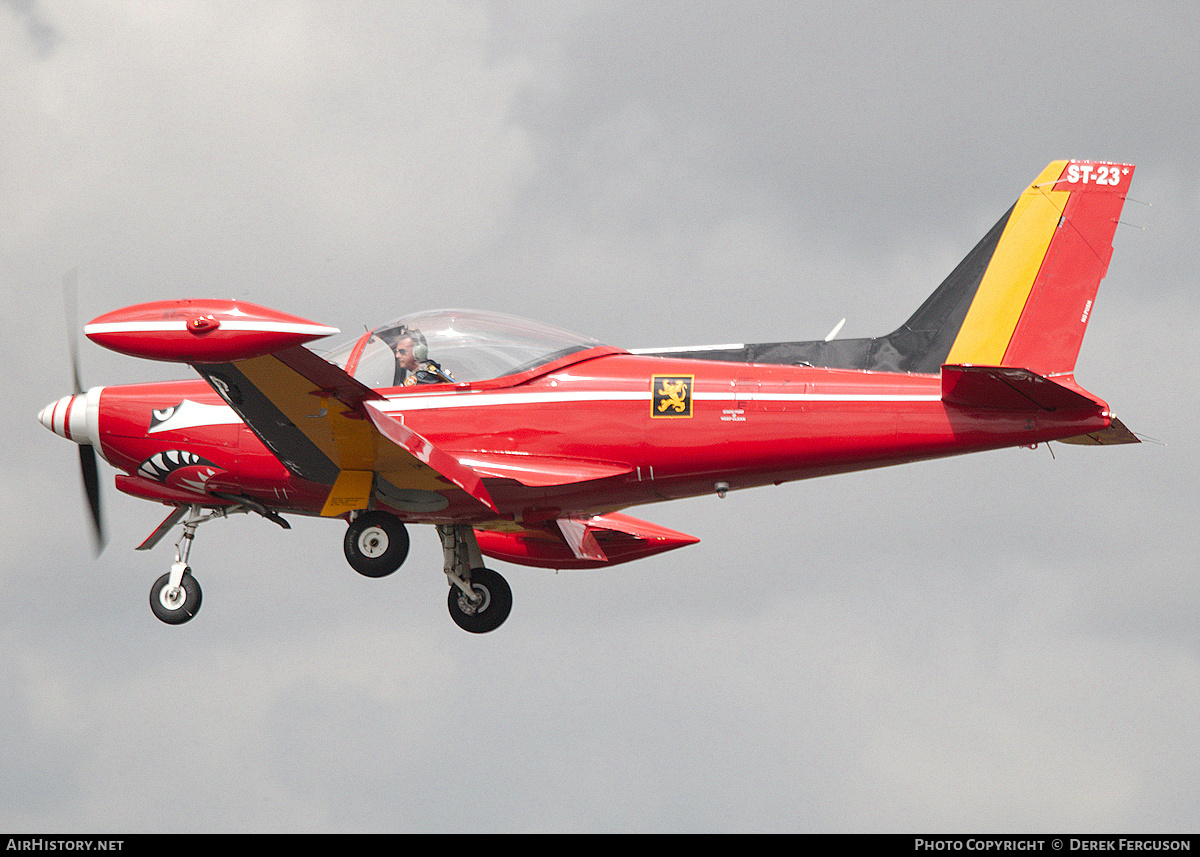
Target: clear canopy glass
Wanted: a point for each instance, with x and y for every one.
(468, 345)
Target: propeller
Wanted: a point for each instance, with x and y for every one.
(91, 487)
(88, 467)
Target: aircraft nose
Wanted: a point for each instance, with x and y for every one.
(54, 416)
(73, 417)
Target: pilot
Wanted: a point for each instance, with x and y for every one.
(413, 363)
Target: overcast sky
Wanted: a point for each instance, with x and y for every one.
(1005, 642)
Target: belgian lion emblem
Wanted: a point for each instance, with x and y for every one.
(672, 395)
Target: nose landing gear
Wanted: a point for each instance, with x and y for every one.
(175, 597)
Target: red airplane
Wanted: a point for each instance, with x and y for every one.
(523, 443)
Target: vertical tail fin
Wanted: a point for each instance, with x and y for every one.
(1021, 298)
(1034, 298)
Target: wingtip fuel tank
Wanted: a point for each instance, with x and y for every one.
(201, 331)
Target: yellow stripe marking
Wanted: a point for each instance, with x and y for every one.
(351, 492)
(1006, 284)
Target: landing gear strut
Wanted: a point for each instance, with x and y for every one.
(175, 597)
(479, 599)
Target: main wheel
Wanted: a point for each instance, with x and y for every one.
(376, 544)
(177, 607)
(490, 613)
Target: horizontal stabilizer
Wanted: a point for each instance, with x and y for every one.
(1115, 434)
(1010, 389)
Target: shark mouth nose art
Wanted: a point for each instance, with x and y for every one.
(161, 465)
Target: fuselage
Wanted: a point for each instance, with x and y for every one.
(654, 428)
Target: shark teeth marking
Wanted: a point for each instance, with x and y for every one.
(161, 465)
(198, 485)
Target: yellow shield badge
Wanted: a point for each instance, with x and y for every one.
(672, 396)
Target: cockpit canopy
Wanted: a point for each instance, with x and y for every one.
(469, 345)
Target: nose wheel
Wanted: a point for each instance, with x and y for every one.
(175, 602)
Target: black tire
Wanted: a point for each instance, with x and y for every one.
(490, 615)
(376, 544)
(183, 607)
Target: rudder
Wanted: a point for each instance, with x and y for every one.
(1034, 299)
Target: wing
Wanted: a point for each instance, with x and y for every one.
(326, 427)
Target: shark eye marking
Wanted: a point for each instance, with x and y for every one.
(188, 414)
(158, 416)
(158, 467)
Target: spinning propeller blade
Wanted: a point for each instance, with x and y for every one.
(91, 487)
(70, 288)
(88, 467)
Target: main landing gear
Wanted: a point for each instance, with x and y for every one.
(376, 544)
(479, 599)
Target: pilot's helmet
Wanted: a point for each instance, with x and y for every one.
(420, 349)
